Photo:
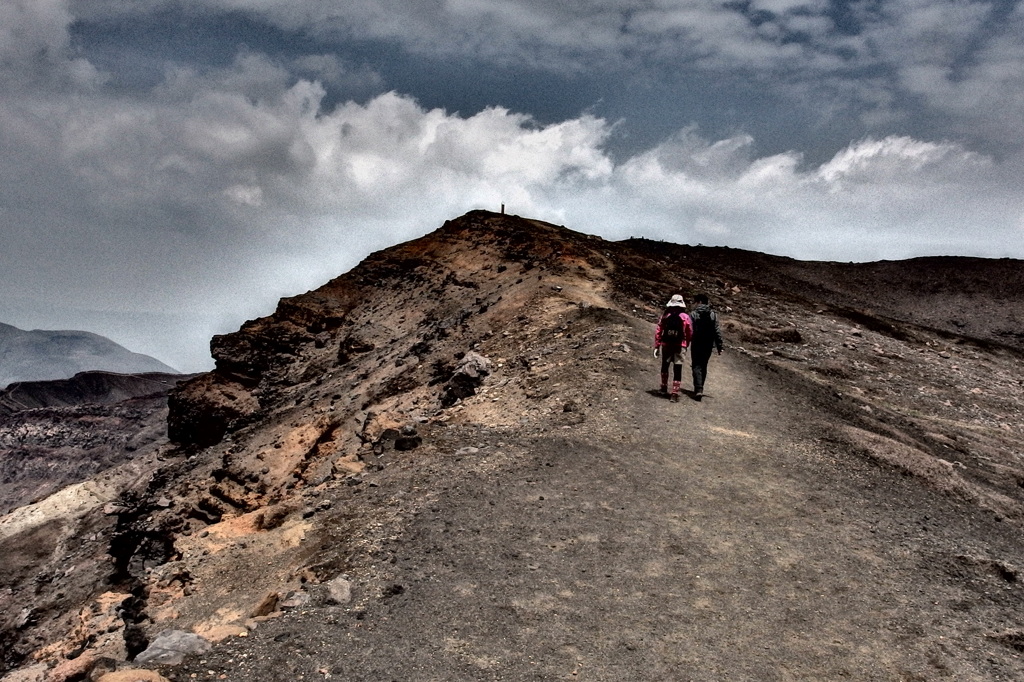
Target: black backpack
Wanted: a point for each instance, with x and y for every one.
(703, 324)
(672, 329)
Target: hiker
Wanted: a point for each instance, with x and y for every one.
(706, 336)
(671, 337)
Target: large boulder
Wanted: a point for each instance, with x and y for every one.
(467, 377)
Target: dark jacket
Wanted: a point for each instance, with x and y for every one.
(706, 332)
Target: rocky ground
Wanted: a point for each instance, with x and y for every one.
(450, 464)
(58, 433)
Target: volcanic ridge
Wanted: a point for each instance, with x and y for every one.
(450, 463)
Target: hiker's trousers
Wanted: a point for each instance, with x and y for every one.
(674, 357)
(699, 357)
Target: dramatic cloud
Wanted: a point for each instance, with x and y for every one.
(165, 196)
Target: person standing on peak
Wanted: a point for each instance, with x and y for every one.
(671, 337)
(706, 336)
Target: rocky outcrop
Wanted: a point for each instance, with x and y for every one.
(203, 409)
(468, 376)
(962, 298)
(403, 304)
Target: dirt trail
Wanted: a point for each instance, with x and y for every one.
(732, 539)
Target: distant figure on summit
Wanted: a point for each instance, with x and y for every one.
(671, 337)
(706, 336)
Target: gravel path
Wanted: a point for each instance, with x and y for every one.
(732, 539)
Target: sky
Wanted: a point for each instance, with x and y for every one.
(169, 169)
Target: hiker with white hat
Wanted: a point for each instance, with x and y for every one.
(671, 337)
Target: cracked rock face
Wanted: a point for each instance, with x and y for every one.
(308, 480)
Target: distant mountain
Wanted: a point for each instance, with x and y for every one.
(40, 355)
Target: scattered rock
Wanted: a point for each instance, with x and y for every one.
(404, 443)
(392, 590)
(72, 670)
(267, 606)
(171, 646)
(218, 633)
(24, 619)
(104, 666)
(466, 379)
(339, 591)
(273, 516)
(294, 600)
(408, 439)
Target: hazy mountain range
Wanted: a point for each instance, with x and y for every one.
(41, 355)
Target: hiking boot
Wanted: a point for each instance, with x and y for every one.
(698, 395)
(674, 398)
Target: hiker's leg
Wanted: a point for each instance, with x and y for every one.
(699, 358)
(664, 372)
(677, 376)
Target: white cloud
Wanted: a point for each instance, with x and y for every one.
(33, 29)
(890, 198)
(788, 6)
(221, 189)
(226, 189)
(900, 159)
(964, 61)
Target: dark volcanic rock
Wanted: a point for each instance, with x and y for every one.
(204, 409)
(975, 298)
(68, 431)
(468, 376)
